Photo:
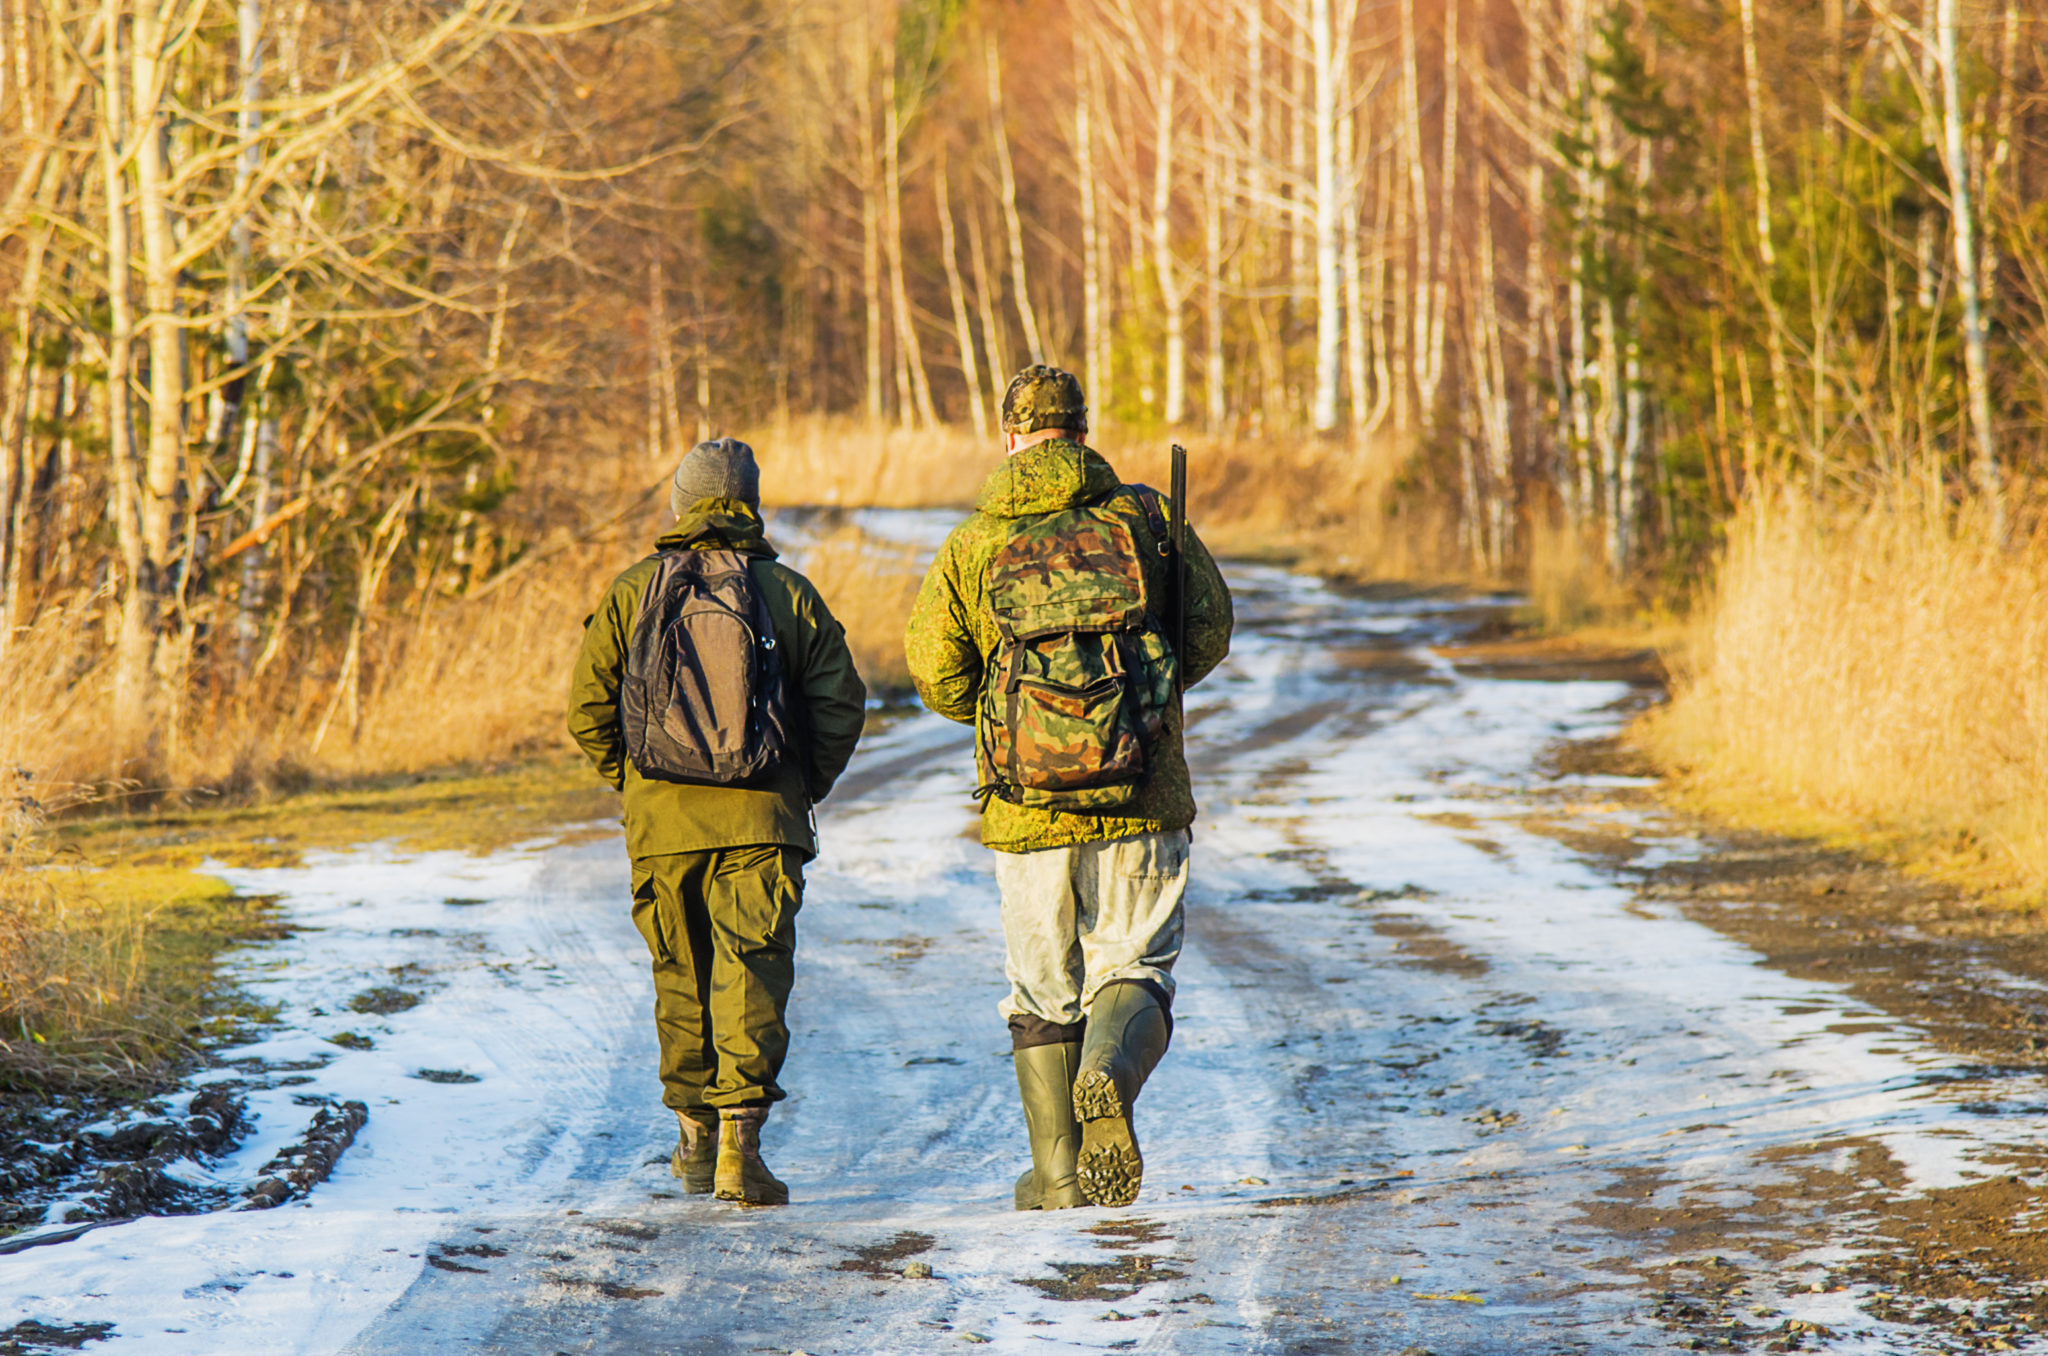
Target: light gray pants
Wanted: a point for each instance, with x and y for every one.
(1076, 918)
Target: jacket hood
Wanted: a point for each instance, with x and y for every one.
(718, 525)
(1046, 478)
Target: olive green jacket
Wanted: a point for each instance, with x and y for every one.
(667, 817)
(952, 640)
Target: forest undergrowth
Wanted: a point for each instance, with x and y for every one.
(1873, 670)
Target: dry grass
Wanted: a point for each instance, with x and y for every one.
(826, 460)
(1570, 588)
(870, 586)
(1876, 673)
(1297, 497)
(1327, 501)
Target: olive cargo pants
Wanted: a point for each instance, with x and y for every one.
(721, 927)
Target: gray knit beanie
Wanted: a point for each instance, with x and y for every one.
(720, 469)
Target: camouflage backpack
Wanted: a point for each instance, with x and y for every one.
(705, 698)
(1083, 675)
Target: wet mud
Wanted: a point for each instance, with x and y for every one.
(884, 1261)
(1961, 1268)
(32, 1338)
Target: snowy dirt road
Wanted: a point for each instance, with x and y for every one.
(1445, 1078)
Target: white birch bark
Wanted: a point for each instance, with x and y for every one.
(133, 689)
(1013, 224)
(1766, 248)
(1963, 230)
(1213, 376)
(1092, 338)
(1329, 261)
(1164, 268)
(909, 350)
(999, 370)
(1437, 310)
(1356, 324)
(956, 292)
(870, 221)
(164, 463)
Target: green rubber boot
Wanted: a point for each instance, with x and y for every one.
(741, 1175)
(1126, 1034)
(1045, 1084)
(695, 1160)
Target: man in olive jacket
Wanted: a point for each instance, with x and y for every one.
(1091, 902)
(718, 870)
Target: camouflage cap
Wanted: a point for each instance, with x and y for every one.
(1042, 397)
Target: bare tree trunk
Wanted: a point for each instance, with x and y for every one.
(1213, 388)
(1766, 250)
(992, 337)
(1634, 435)
(870, 219)
(970, 370)
(165, 466)
(1256, 257)
(1013, 223)
(700, 355)
(1399, 241)
(1375, 297)
(17, 386)
(1417, 345)
(133, 689)
(1609, 414)
(1582, 373)
(1976, 360)
(1093, 340)
(375, 560)
(664, 361)
(1436, 310)
(1490, 371)
(16, 424)
(1351, 267)
(24, 93)
(1538, 292)
(1163, 264)
(1329, 312)
(909, 351)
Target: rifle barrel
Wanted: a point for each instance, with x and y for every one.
(1178, 499)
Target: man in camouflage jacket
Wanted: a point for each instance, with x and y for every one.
(1091, 902)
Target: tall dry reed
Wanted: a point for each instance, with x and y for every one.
(825, 460)
(1875, 671)
(870, 586)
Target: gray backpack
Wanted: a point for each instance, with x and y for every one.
(705, 697)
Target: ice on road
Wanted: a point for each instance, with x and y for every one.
(1419, 1048)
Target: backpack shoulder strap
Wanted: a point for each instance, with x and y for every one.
(1153, 505)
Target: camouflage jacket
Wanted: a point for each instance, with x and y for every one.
(953, 638)
(666, 817)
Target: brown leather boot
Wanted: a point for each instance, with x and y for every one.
(695, 1160)
(741, 1175)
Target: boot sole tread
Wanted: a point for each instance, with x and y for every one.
(1111, 1173)
(1110, 1168)
(1096, 1097)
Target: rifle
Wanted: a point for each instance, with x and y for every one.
(1178, 500)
